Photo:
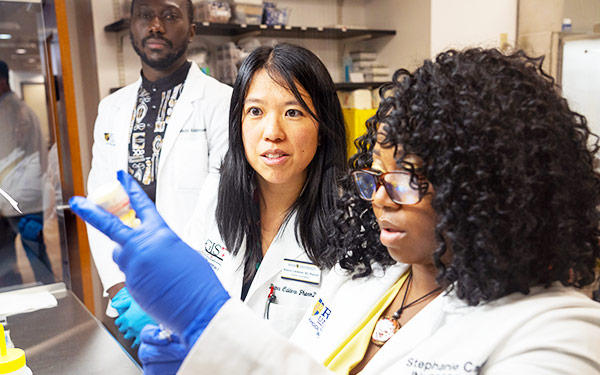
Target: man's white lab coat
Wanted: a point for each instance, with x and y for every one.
(194, 144)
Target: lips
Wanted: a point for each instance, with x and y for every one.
(390, 233)
(155, 43)
(389, 226)
(274, 157)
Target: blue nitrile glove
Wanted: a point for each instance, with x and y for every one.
(132, 319)
(171, 281)
(31, 226)
(161, 355)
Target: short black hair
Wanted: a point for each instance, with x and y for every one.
(512, 167)
(190, 10)
(3, 70)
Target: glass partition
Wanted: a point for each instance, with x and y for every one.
(31, 227)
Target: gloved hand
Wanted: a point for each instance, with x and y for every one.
(132, 319)
(170, 280)
(161, 355)
(30, 227)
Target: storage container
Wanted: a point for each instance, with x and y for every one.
(249, 14)
(275, 16)
(212, 11)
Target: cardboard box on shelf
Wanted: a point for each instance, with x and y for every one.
(356, 99)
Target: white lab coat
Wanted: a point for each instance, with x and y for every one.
(195, 142)
(292, 297)
(549, 331)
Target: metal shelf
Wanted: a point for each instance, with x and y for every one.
(236, 30)
(349, 86)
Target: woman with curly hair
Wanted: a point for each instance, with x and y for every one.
(480, 180)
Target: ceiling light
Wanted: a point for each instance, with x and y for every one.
(5, 36)
(31, 60)
(20, 51)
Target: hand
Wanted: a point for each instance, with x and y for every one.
(30, 227)
(170, 280)
(132, 319)
(160, 355)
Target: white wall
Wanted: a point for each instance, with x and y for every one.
(106, 47)
(15, 79)
(411, 20)
(465, 23)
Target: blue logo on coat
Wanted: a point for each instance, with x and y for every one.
(319, 316)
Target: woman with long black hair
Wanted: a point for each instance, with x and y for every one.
(264, 226)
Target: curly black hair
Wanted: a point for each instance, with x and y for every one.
(512, 167)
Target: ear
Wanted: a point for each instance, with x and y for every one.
(192, 32)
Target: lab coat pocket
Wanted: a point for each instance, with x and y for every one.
(285, 318)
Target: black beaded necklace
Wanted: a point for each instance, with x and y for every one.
(387, 326)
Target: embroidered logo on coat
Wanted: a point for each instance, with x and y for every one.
(215, 253)
(319, 316)
(109, 138)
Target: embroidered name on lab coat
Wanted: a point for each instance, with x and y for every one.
(433, 367)
(192, 130)
(298, 270)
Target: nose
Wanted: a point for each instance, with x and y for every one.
(156, 25)
(273, 129)
(381, 199)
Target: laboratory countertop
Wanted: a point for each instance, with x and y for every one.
(67, 339)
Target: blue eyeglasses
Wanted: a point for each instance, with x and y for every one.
(396, 183)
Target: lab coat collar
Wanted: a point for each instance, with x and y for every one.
(125, 108)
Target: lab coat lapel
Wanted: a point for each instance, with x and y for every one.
(411, 335)
(347, 301)
(443, 309)
(231, 273)
(192, 91)
(125, 111)
(283, 246)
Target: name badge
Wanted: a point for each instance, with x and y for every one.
(298, 270)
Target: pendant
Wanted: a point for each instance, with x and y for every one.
(385, 328)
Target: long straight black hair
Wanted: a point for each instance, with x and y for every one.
(238, 213)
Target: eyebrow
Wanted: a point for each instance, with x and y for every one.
(260, 101)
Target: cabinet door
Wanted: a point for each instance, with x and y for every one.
(581, 78)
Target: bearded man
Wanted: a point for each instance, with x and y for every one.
(169, 130)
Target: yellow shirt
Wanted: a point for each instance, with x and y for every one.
(352, 350)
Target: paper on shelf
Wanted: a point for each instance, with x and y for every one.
(17, 303)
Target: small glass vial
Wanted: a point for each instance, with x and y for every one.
(12, 360)
(113, 198)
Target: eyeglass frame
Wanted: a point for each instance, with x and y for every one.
(380, 180)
